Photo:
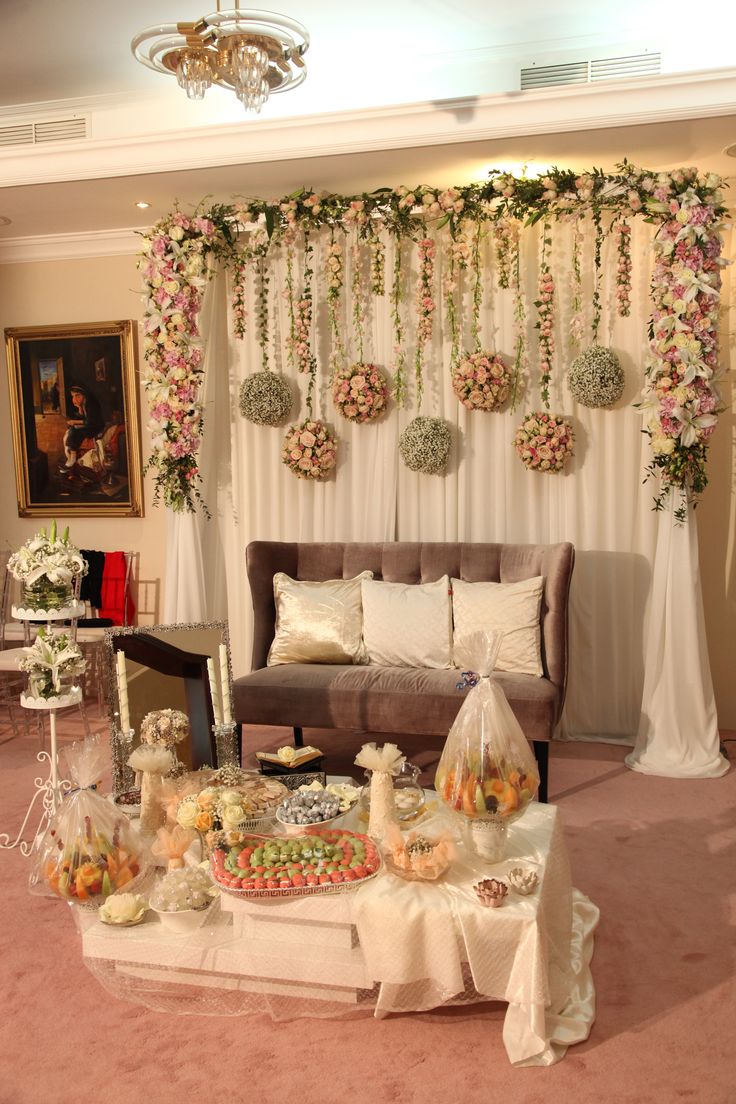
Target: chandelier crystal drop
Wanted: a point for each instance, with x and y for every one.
(193, 73)
(253, 53)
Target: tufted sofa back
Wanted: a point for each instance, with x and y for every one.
(415, 562)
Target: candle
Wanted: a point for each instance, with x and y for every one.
(227, 704)
(214, 691)
(123, 691)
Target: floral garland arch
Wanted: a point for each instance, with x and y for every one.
(680, 399)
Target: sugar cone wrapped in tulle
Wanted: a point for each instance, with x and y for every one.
(487, 770)
(384, 763)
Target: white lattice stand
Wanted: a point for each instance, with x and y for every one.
(51, 789)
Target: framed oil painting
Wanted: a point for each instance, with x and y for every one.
(75, 420)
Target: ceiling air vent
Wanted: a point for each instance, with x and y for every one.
(640, 65)
(46, 130)
(547, 76)
(584, 72)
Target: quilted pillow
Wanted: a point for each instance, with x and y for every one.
(509, 608)
(407, 624)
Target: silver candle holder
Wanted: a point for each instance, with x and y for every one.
(226, 744)
(123, 776)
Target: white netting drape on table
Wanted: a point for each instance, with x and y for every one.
(598, 503)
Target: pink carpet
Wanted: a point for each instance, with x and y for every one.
(657, 856)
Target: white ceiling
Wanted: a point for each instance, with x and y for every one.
(75, 55)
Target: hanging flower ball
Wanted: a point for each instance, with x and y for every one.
(265, 398)
(481, 380)
(596, 378)
(544, 441)
(309, 450)
(360, 392)
(425, 445)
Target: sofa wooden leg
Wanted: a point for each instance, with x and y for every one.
(298, 738)
(541, 751)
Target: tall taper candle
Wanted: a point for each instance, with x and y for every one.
(214, 692)
(123, 691)
(227, 705)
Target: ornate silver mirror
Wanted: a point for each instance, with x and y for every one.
(166, 668)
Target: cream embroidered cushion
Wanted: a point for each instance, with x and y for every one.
(407, 624)
(318, 622)
(510, 608)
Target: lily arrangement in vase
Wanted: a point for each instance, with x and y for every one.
(46, 565)
(52, 663)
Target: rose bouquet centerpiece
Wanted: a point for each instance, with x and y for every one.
(215, 808)
(481, 380)
(309, 450)
(544, 441)
(52, 663)
(360, 392)
(46, 565)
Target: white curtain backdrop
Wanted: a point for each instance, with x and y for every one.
(599, 502)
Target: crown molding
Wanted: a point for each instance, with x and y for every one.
(67, 247)
(580, 107)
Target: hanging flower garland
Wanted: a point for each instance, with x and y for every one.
(623, 269)
(544, 442)
(309, 450)
(681, 398)
(334, 269)
(597, 272)
(577, 319)
(481, 380)
(545, 314)
(506, 234)
(425, 307)
(399, 393)
(679, 438)
(425, 445)
(457, 257)
(521, 362)
(306, 362)
(239, 311)
(174, 267)
(378, 265)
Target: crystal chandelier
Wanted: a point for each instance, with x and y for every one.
(254, 53)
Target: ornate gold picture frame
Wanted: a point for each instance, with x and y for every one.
(75, 420)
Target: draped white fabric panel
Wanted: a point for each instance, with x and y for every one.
(599, 502)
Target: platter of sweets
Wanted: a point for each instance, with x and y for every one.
(326, 860)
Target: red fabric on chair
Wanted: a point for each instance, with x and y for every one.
(113, 590)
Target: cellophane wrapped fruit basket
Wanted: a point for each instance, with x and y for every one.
(90, 848)
(487, 771)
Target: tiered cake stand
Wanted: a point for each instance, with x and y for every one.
(50, 789)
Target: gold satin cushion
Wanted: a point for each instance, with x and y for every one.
(318, 622)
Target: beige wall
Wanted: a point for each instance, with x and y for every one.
(91, 290)
(108, 288)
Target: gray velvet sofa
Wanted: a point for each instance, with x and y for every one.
(397, 700)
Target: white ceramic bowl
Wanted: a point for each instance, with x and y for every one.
(188, 920)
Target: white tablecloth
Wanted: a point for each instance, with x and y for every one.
(390, 945)
(533, 952)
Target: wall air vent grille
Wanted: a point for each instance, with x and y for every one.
(548, 76)
(585, 72)
(43, 131)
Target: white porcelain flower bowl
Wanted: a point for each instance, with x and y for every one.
(184, 921)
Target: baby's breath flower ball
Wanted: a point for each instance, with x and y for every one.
(596, 378)
(309, 449)
(265, 398)
(425, 445)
